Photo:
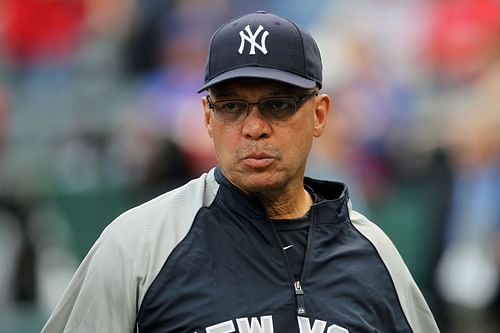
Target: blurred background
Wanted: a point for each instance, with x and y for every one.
(99, 112)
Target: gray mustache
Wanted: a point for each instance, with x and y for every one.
(258, 147)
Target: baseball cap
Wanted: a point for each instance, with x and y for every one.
(263, 45)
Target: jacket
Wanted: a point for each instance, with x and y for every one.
(206, 258)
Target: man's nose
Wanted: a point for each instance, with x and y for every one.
(256, 125)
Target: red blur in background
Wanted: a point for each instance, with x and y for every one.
(42, 29)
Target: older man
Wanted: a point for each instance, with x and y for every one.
(253, 245)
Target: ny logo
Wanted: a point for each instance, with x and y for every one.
(250, 38)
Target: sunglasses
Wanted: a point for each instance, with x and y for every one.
(273, 108)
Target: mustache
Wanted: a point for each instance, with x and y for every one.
(258, 147)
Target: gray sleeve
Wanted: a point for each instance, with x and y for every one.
(107, 290)
(412, 301)
(101, 296)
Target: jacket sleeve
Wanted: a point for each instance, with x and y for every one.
(101, 296)
(108, 288)
(412, 301)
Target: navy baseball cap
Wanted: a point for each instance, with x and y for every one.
(263, 45)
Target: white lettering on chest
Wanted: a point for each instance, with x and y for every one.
(337, 329)
(264, 324)
(225, 327)
(305, 325)
(318, 326)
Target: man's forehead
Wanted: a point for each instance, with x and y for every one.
(231, 87)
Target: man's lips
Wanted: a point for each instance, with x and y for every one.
(258, 155)
(258, 160)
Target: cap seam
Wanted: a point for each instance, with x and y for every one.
(301, 43)
(209, 60)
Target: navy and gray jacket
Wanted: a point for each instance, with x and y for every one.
(206, 258)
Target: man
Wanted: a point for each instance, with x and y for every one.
(251, 246)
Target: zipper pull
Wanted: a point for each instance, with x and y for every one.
(299, 295)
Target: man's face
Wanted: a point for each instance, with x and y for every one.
(259, 154)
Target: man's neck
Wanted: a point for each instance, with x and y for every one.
(293, 204)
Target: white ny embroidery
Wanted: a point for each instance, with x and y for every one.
(250, 38)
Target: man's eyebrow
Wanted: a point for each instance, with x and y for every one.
(279, 92)
(225, 94)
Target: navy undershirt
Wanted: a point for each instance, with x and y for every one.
(293, 237)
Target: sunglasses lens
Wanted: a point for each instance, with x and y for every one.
(278, 108)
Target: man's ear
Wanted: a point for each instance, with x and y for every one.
(207, 116)
(321, 113)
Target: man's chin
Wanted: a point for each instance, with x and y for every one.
(258, 182)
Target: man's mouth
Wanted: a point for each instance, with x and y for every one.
(258, 155)
(258, 160)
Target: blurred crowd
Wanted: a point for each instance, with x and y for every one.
(99, 112)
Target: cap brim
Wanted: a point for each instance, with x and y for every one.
(261, 73)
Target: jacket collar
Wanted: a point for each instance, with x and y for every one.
(333, 207)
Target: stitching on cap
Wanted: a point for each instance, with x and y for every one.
(302, 43)
(209, 60)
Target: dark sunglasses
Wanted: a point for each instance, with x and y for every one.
(273, 108)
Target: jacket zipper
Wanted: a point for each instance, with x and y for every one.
(299, 296)
(299, 292)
